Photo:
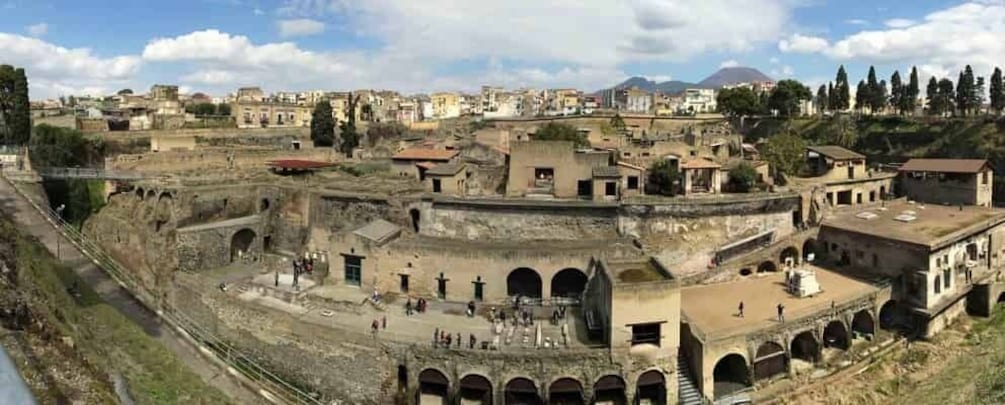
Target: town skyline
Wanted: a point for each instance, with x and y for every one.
(216, 46)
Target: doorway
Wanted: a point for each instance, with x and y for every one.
(353, 270)
(403, 283)
(441, 287)
(584, 188)
(479, 289)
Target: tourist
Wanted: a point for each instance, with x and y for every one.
(447, 340)
(471, 309)
(502, 316)
(296, 278)
(374, 326)
(471, 341)
(492, 315)
(554, 317)
(781, 315)
(741, 309)
(408, 307)
(277, 278)
(436, 337)
(458, 340)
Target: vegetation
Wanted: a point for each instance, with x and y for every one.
(663, 178)
(554, 131)
(618, 123)
(742, 178)
(786, 153)
(15, 115)
(323, 125)
(787, 95)
(997, 91)
(62, 147)
(347, 129)
(738, 102)
(59, 299)
(377, 132)
(208, 109)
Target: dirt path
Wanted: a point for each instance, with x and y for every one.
(32, 222)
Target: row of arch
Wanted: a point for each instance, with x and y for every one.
(790, 252)
(733, 372)
(526, 282)
(434, 388)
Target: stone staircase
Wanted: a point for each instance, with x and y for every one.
(687, 392)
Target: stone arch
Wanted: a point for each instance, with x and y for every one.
(475, 388)
(862, 324)
(434, 387)
(150, 194)
(568, 283)
(745, 272)
(402, 378)
(769, 361)
(1001, 298)
(836, 335)
(810, 247)
(521, 390)
(524, 282)
(416, 217)
(805, 347)
(651, 387)
(264, 205)
(140, 193)
(888, 315)
(766, 267)
(609, 389)
(566, 390)
(730, 375)
(789, 252)
(241, 243)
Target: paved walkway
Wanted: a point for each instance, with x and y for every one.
(33, 223)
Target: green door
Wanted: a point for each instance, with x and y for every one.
(353, 270)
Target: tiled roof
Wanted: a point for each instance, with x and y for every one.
(379, 231)
(631, 166)
(445, 170)
(700, 163)
(606, 171)
(944, 165)
(425, 154)
(836, 152)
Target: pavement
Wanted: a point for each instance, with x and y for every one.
(32, 222)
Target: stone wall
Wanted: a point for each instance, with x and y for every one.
(518, 220)
(217, 244)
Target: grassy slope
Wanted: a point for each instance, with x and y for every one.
(103, 335)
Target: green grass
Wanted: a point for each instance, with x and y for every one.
(102, 334)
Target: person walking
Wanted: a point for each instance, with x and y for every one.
(436, 337)
(459, 340)
(471, 341)
(781, 313)
(383, 322)
(374, 327)
(741, 309)
(277, 278)
(408, 307)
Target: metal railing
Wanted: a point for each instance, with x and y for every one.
(87, 173)
(275, 386)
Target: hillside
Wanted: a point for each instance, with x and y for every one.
(724, 76)
(669, 87)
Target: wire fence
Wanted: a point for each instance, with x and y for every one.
(275, 387)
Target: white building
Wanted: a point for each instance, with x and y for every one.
(699, 101)
(427, 110)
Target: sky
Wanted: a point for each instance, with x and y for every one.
(215, 46)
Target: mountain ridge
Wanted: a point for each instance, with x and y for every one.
(723, 76)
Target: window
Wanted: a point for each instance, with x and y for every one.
(646, 334)
(633, 182)
(947, 278)
(627, 154)
(437, 187)
(353, 270)
(938, 285)
(984, 177)
(938, 262)
(610, 188)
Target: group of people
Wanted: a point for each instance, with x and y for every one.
(420, 306)
(300, 266)
(780, 308)
(520, 316)
(445, 340)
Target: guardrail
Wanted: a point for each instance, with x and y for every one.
(87, 173)
(273, 387)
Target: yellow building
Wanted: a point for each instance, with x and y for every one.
(446, 105)
(249, 114)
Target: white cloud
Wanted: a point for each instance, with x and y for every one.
(856, 21)
(899, 23)
(774, 60)
(943, 41)
(659, 78)
(53, 70)
(729, 63)
(798, 43)
(258, 11)
(300, 27)
(37, 30)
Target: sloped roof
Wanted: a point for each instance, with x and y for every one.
(945, 165)
(836, 152)
(606, 171)
(631, 166)
(425, 154)
(445, 169)
(379, 231)
(700, 163)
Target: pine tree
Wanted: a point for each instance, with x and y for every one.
(945, 100)
(347, 131)
(931, 95)
(20, 124)
(997, 92)
(913, 91)
(961, 94)
(323, 124)
(861, 96)
(822, 98)
(831, 94)
(843, 98)
(879, 99)
(897, 92)
(977, 95)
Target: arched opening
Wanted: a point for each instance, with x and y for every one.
(566, 391)
(1001, 298)
(414, 213)
(568, 283)
(730, 375)
(267, 243)
(769, 361)
(240, 243)
(523, 282)
(862, 325)
(433, 387)
(402, 378)
(888, 315)
(476, 389)
(609, 389)
(139, 193)
(790, 252)
(804, 347)
(265, 204)
(150, 195)
(810, 248)
(652, 388)
(521, 391)
(836, 336)
(745, 272)
(766, 267)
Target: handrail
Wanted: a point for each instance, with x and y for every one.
(234, 358)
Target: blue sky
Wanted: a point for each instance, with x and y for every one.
(215, 46)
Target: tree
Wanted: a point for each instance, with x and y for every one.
(944, 100)
(931, 95)
(822, 99)
(554, 131)
(830, 97)
(378, 131)
(347, 130)
(223, 109)
(870, 98)
(618, 123)
(898, 93)
(786, 152)
(861, 96)
(663, 178)
(15, 115)
(322, 124)
(879, 100)
(842, 98)
(57, 147)
(125, 92)
(977, 95)
(787, 95)
(997, 91)
(913, 91)
(742, 178)
(201, 109)
(738, 101)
